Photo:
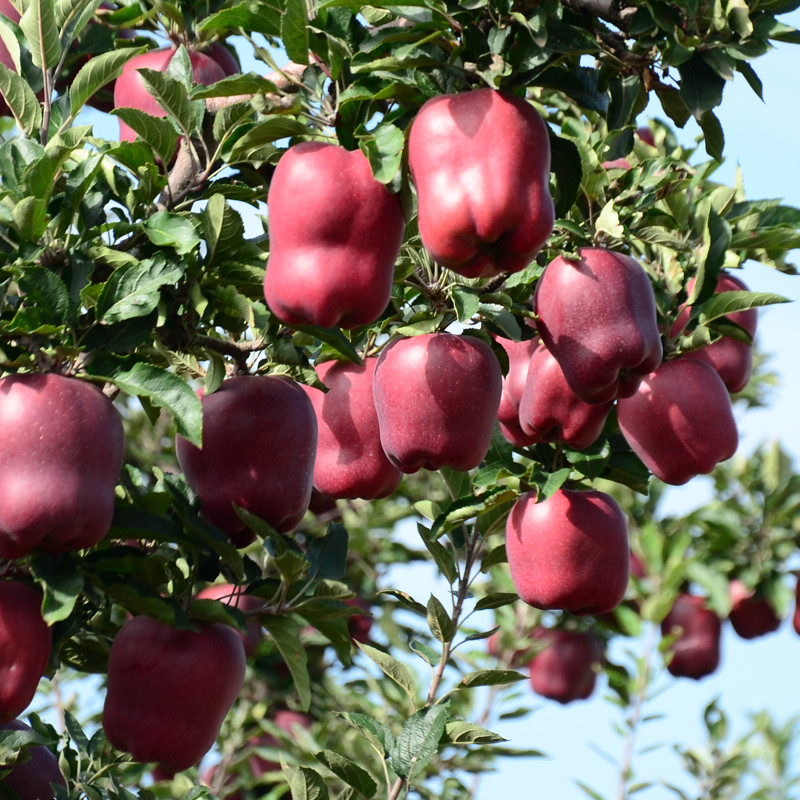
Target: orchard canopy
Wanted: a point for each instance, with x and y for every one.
(277, 278)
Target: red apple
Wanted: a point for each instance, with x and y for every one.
(549, 411)
(226, 58)
(696, 651)
(751, 615)
(25, 641)
(331, 259)
(437, 397)
(62, 452)
(259, 444)
(519, 357)
(130, 91)
(569, 551)
(32, 779)
(350, 461)
(359, 625)
(234, 596)
(730, 358)
(169, 689)
(597, 316)
(680, 421)
(566, 668)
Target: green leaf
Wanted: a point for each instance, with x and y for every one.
(376, 732)
(285, 633)
(47, 293)
(491, 677)
(96, 73)
(30, 218)
(348, 771)
(166, 390)
(166, 229)
(38, 23)
(294, 30)
(419, 741)
(721, 304)
(157, 133)
(307, 784)
(327, 555)
(392, 668)
(496, 601)
(713, 134)
(134, 289)
(21, 100)
(384, 150)
(223, 228)
(467, 302)
(566, 165)
(63, 583)
(701, 87)
(173, 97)
(461, 732)
(439, 621)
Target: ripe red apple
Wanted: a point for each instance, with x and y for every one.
(359, 625)
(597, 316)
(549, 411)
(259, 444)
(569, 551)
(731, 359)
(234, 596)
(519, 357)
(226, 58)
(332, 259)
(61, 456)
(437, 397)
(32, 779)
(25, 642)
(751, 615)
(696, 651)
(350, 461)
(680, 421)
(566, 669)
(169, 689)
(130, 91)
(480, 162)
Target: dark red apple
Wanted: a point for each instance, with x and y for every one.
(569, 551)
(226, 58)
(359, 625)
(331, 262)
(730, 358)
(519, 357)
(350, 461)
(259, 445)
(130, 91)
(62, 452)
(597, 316)
(235, 596)
(25, 642)
(696, 651)
(751, 615)
(549, 411)
(567, 666)
(680, 421)
(437, 397)
(32, 779)
(170, 689)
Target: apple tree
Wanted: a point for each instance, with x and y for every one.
(300, 298)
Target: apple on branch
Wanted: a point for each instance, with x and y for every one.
(34, 777)
(565, 668)
(695, 652)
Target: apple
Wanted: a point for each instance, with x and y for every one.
(566, 667)
(519, 356)
(437, 397)
(235, 596)
(751, 615)
(33, 778)
(226, 58)
(332, 258)
(63, 447)
(25, 642)
(130, 91)
(597, 316)
(679, 421)
(350, 460)
(549, 411)
(359, 625)
(169, 689)
(568, 551)
(730, 358)
(696, 651)
(480, 163)
(258, 450)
